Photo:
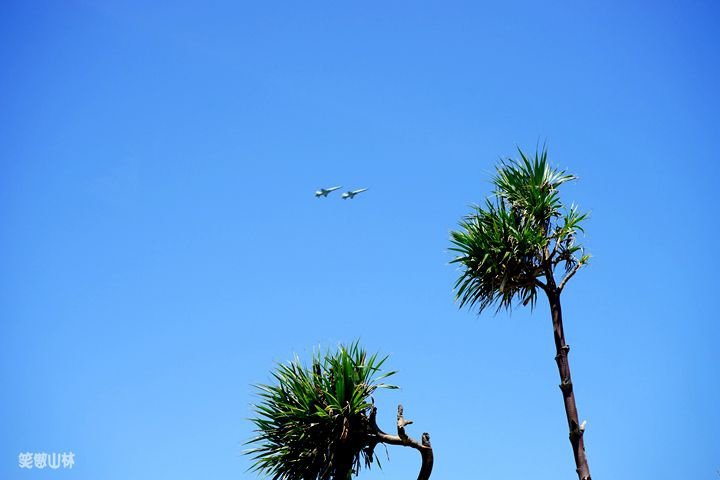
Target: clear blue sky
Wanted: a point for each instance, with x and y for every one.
(161, 247)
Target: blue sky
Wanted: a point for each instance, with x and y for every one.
(162, 247)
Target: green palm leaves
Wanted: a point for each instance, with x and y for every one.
(314, 422)
(507, 247)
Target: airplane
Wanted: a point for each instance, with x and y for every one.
(323, 192)
(352, 194)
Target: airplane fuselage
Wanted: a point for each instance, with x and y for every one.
(323, 192)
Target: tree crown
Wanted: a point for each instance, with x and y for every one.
(314, 422)
(509, 247)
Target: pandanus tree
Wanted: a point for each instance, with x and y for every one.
(520, 242)
(319, 423)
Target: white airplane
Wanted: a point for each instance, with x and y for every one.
(352, 194)
(323, 192)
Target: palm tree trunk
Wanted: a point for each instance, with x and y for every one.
(562, 349)
(343, 468)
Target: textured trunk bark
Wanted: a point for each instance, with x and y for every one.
(562, 349)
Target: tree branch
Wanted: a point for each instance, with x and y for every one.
(404, 440)
(554, 251)
(569, 276)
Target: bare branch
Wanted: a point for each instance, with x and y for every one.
(569, 276)
(404, 440)
(401, 423)
(554, 251)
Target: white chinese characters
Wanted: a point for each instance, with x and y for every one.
(42, 460)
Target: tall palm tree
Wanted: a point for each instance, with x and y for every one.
(319, 423)
(520, 242)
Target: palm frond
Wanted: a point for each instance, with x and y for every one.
(313, 421)
(504, 246)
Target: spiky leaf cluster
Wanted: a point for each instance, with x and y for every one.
(509, 247)
(312, 424)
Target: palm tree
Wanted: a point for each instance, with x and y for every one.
(319, 423)
(513, 246)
